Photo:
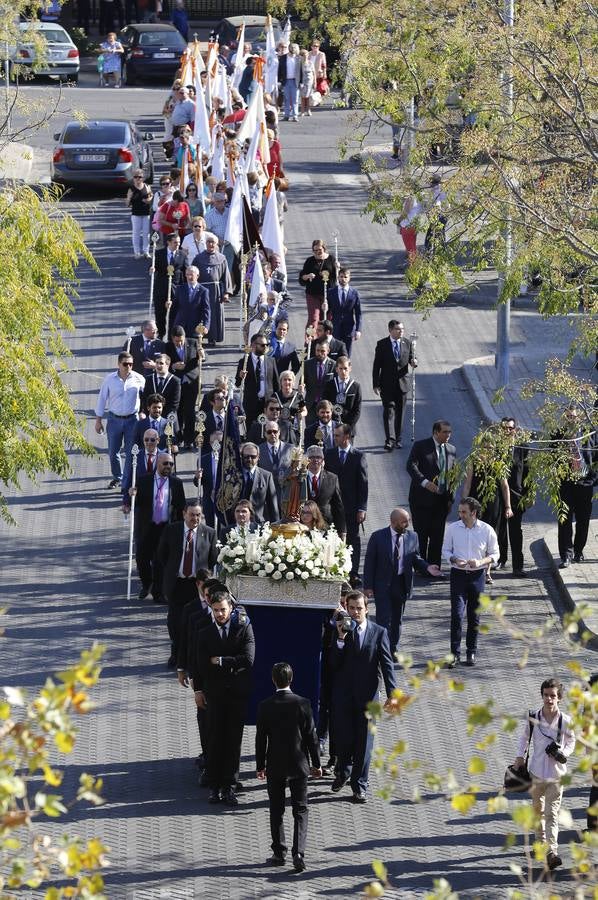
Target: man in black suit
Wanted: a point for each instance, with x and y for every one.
(430, 497)
(163, 383)
(184, 363)
(214, 421)
(392, 359)
(283, 351)
(285, 744)
(190, 305)
(145, 347)
(316, 373)
(344, 307)
(185, 547)
(209, 472)
(323, 488)
(259, 378)
(350, 467)
(170, 255)
(344, 392)
(322, 430)
(221, 675)
(357, 657)
(577, 491)
(154, 405)
(273, 414)
(147, 460)
(258, 486)
(160, 499)
(510, 531)
(324, 329)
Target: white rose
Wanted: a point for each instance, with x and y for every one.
(262, 573)
(276, 576)
(289, 576)
(268, 568)
(276, 559)
(304, 576)
(309, 564)
(256, 566)
(281, 567)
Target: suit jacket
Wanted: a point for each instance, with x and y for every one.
(170, 552)
(141, 470)
(207, 486)
(252, 403)
(389, 374)
(310, 434)
(190, 359)
(144, 502)
(378, 568)
(284, 464)
(351, 406)
(143, 425)
(352, 478)
(256, 435)
(189, 310)
(210, 427)
(337, 348)
(329, 500)
(346, 317)
(314, 390)
(516, 478)
(285, 738)
(171, 391)
(356, 673)
(140, 354)
(423, 465)
(233, 677)
(161, 274)
(263, 497)
(288, 358)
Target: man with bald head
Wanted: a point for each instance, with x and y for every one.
(391, 556)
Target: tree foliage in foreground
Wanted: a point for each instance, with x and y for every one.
(32, 732)
(41, 249)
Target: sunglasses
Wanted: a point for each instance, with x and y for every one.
(150, 440)
(137, 177)
(127, 365)
(201, 226)
(164, 463)
(165, 183)
(192, 190)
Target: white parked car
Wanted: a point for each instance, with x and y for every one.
(61, 57)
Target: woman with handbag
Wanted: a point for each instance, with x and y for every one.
(318, 61)
(548, 741)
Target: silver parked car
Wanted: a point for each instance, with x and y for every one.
(58, 57)
(102, 152)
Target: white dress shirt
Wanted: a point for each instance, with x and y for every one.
(120, 396)
(540, 763)
(476, 542)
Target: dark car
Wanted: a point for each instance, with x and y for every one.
(151, 51)
(103, 152)
(255, 31)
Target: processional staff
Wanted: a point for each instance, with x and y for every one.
(413, 339)
(169, 432)
(134, 454)
(170, 271)
(154, 239)
(325, 277)
(130, 333)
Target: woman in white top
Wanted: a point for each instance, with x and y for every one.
(195, 242)
(308, 83)
(412, 209)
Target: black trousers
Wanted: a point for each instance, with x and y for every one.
(354, 541)
(510, 531)
(225, 722)
(466, 588)
(578, 498)
(185, 592)
(428, 523)
(276, 795)
(146, 552)
(393, 405)
(186, 411)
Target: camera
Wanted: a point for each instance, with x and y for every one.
(555, 751)
(347, 623)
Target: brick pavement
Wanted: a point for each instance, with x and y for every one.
(64, 580)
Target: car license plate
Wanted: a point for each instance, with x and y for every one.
(91, 157)
(163, 55)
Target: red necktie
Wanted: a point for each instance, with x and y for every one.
(188, 558)
(150, 462)
(314, 485)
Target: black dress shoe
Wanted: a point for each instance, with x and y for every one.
(229, 798)
(388, 445)
(565, 563)
(359, 797)
(275, 860)
(500, 565)
(171, 662)
(579, 557)
(553, 860)
(214, 796)
(398, 444)
(470, 661)
(299, 863)
(338, 784)
(519, 573)
(455, 661)
(143, 593)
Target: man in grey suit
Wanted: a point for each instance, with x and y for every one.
(392, 555)
(258, 486)
(275, 456)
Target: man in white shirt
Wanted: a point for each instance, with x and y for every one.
(552, 743)
(469, 546)
(120, 397)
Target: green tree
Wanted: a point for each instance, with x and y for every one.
(32, 731)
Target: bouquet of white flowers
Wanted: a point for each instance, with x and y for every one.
(298, 558)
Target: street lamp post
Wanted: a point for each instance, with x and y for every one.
(503, 319)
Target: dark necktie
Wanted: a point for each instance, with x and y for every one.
(160, 384)
(170, 259)
(278, 350)
(248, 486)
(320, 371)
(357, 640)
(188, 558)
(442, 465)
(395, 556)
(258, 374)
(146, 347)
(275, 457)
(397, 350)
(218, 422)
(150, 462)
(181, 352)
(314, 485)
(223, 632)
(343, 297)
(343, 456)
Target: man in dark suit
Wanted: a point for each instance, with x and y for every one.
(344, 392)
(209, 471)
(344, 308)
(357, 657)
(285, 744)
(160, 499)
(510, 531)
(275, 456)
(324, 329)
(350, 467)
(147, 460)
(316, 373)
(577, 491)
(145, 347)
(430, 497)
(191, 303)
(154, 419)
(391, 557)
(259, 378)
(216, 400)
(221, 675)
(170, 255)
(322, 430)
(273, 413)
(283, 351)
(323, 488)
(184, 363)
(185, 547)
(258, 486)
(392, 359)
(163, 383)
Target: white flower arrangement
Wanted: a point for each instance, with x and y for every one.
(299, 558)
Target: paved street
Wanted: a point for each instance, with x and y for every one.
(65, 583)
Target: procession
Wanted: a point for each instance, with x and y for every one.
(301, 511)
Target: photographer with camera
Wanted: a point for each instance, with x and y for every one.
(553, 743)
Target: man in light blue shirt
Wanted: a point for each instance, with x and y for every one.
(119, 396)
